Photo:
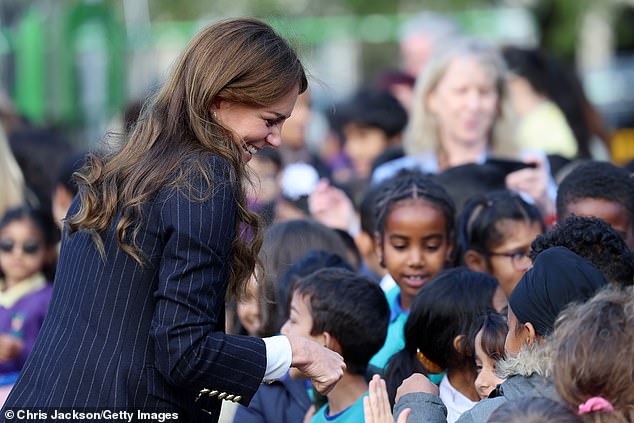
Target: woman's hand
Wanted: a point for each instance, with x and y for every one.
(322, 366)
(534, 182)
(376, 406)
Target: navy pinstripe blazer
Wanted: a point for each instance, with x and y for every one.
(121, 335)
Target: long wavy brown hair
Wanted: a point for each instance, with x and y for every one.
(238, 60)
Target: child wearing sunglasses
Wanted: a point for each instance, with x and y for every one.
(27, 265)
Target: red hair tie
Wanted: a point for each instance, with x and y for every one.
(596, 404)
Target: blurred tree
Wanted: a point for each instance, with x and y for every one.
(624, 29)
(558, 22)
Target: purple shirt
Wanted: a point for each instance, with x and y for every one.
(24, 320)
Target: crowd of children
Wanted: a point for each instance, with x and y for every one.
(480, 333)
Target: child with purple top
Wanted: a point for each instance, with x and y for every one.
(27, 265)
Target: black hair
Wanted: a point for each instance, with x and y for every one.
(494, 331)
(529, 64)
(353, 255)
(594, 240)
(373, 108)
(414, 184)
(465, 181)
(448, 306)
(478, 229)
(566, 90)
(70, 167)
(367, 209)
(352, 308)
(559, 82)
(597, 180)
(284, 244)
(311, 262)
(43, 222)
(389, 154)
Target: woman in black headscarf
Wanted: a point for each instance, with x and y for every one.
(558, 277)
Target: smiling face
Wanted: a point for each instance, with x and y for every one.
(464, 103)
(256, 127)
(28, 254)
(414, 245)
(487, 378)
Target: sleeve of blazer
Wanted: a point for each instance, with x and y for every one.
(189, 352)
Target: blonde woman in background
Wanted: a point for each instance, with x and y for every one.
(462, 114)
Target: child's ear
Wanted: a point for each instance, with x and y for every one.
(531, 335)
(475, 261)
(365, 243)
(458, 344)
(331, 343)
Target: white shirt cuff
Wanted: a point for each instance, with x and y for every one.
(278, 357)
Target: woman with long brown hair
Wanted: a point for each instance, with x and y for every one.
(159, 233)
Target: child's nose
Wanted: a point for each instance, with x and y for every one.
(416, 258)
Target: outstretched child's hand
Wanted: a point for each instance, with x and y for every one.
(330, 206)
(10, 346)
(416, 383)
(376, 406)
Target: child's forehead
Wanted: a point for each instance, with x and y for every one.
(300, 303)
(414, 201)
(406, 206)
(603, 208)
(21, 225)
(359, 126)
(302, 297)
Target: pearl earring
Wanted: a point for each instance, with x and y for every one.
(214, 115)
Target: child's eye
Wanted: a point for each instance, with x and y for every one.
(518, 255)
(432, 248)
(399, 246)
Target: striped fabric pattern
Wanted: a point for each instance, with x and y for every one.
(120, 335)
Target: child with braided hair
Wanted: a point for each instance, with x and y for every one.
(414, 240)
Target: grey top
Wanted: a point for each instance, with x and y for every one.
(429, 408)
